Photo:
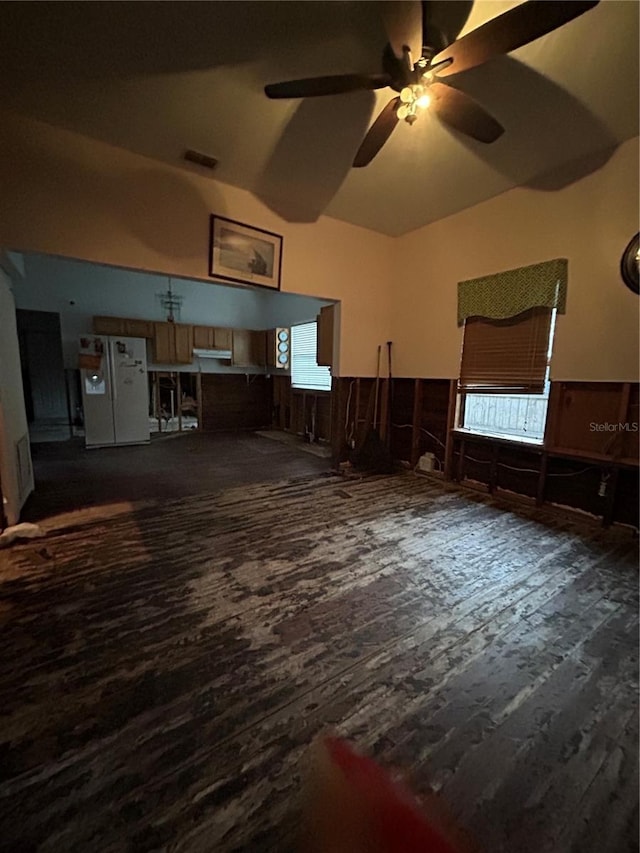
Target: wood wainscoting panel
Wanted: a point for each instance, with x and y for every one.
(236, 401)
(591, 418)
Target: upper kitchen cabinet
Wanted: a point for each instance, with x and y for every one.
(183, 335)
(164, 343)
(172, 343)
(203, 337)
(139, 328)
(249, 348)
(109, 326)
(324, 352)
(123, 326)
(222, 338)
(211, 337)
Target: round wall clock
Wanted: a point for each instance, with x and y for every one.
(630, 264)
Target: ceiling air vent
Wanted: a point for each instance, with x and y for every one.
(200, 159)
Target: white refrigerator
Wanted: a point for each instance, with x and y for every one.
(115, 390)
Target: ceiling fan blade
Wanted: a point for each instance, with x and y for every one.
(403, 23)
(512, 29)
(463, 113)
(378, 133)
(335, 85)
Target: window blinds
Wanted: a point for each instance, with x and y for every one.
(305, 372)
(506, 356)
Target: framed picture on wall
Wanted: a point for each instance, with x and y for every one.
(244, 254)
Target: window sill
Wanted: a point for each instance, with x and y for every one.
(587, 456)
(510, 441)
(594, 457)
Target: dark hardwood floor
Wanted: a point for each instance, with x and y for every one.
(172, 466)
(166, 664)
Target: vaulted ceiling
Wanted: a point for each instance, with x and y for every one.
(160, 78)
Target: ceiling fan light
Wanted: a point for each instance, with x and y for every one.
(423, 101)
(406, 95)
(403, 111)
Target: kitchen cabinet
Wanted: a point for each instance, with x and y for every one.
(109, 326)
(123, 326)
(222, 338)
(324, 352)
(183, 336)
(163, 343)
(203, 337)
(172, 343)
(272, 346)
(212, 337)
(249, 348)
(241, 348)
(138, 328)
(259, 348)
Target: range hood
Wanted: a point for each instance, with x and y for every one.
(212, 353)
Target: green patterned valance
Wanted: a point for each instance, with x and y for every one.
(506, 294)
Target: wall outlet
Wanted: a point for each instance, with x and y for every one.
(426, 462)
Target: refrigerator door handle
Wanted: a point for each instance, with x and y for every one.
(112, 372)
(113, 391)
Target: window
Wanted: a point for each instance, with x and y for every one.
(305, 371)
(504, 376)
(509, 321)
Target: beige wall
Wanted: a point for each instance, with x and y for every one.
(589, 222)
(68, 195)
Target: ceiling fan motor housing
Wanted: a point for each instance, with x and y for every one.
(396, 69)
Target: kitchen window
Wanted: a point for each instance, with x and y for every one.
(306, 373)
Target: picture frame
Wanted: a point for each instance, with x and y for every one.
(244, 254)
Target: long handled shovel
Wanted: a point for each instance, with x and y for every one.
(372, 455)
(375, 408)
(389, 396)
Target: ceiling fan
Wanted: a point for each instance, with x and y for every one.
(413, 33)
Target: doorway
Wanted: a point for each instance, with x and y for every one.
(43, 376)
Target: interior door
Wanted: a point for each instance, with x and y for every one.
(43, 367)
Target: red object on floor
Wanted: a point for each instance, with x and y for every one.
(399, 825)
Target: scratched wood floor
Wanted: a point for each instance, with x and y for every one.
(165, 665)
